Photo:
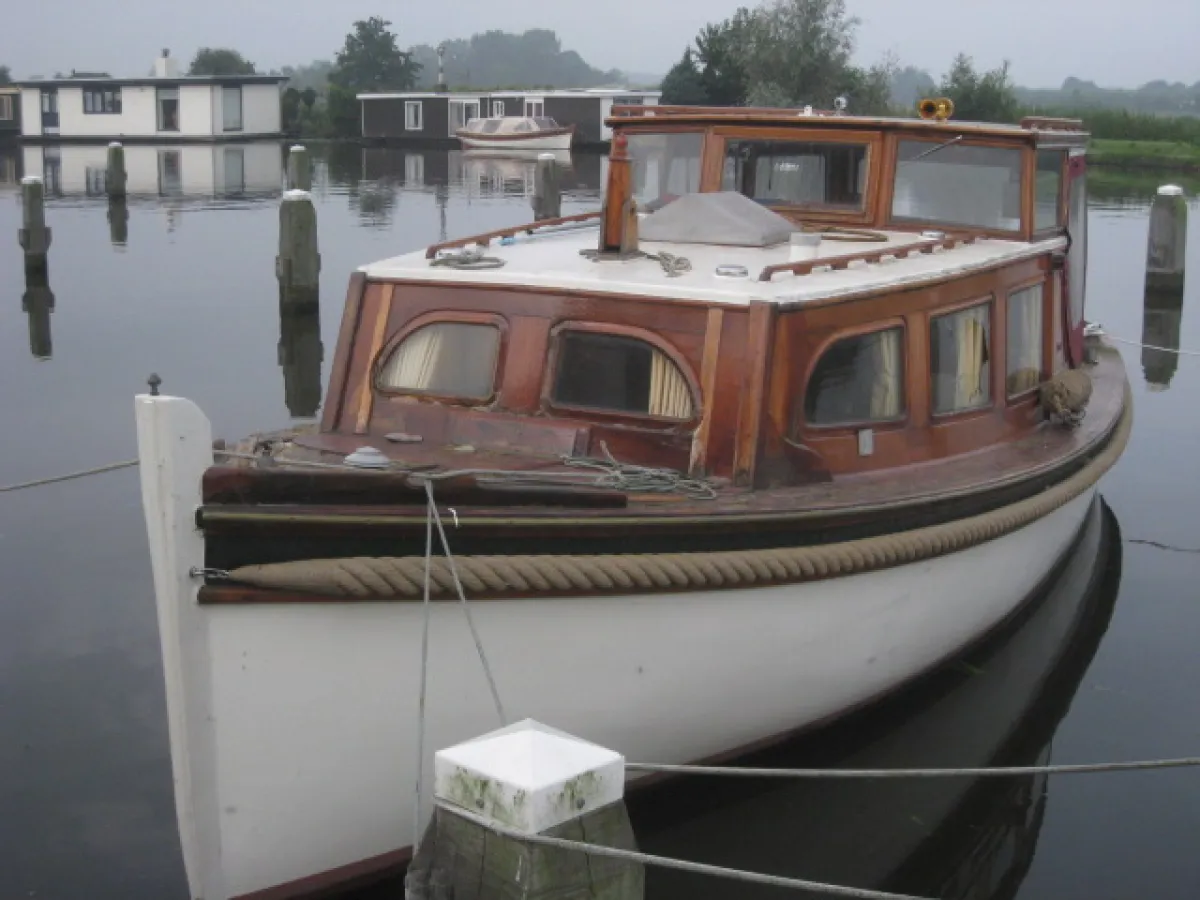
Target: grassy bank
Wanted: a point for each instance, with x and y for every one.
(1174, 156)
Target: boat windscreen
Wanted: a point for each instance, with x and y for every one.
(665, 166)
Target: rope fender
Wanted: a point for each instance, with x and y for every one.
(514, 576)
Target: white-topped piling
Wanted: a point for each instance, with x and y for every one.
(298, 265)
(33, 235)
(527, 779)
(115, 176)
(1166, 250)
(299, 169)
(547, 189)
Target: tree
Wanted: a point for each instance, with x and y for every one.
(308, 97)
(990, 97)
(216, 61)
(370, 60)
(719, 49)
(682, 85)
(5, 75)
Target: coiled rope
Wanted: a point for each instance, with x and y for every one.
(380, 577)
(681, 865)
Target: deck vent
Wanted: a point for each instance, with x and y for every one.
(726, 217)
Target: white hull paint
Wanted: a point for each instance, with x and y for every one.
(550, 142)
(293, 725)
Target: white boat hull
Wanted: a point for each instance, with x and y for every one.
(293, 726)
(544, 142)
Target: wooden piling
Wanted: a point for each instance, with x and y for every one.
(547, 190)
(115, 177)
(299, 169)
(118, 221)
(37, 303)
(300, 352)
(298, 265)
(1166, 250)
(33, 235)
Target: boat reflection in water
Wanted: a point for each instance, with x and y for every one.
(946, 838)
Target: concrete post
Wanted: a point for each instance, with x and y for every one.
(532, 780)
(118, 221)
(547, 191)
(33, 235)
(1162, 304)
(115, 177)
(38, 303)
(299, 169)
(298, 264)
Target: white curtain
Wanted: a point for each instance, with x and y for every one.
(1024, 340)
(886, 390)
(413, 364)
(970, 378)
(670, 397)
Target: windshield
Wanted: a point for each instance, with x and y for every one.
(665, 166)
(957, 184)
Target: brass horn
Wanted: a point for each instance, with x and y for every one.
(938, 108)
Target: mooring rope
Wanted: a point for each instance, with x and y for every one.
(997, 771)
(424, 681)
(682, 865)
(98, 470)
(1175, 350)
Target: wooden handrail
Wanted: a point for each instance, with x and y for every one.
(666, 109)
(487, 237)
(1052, 123)
(902, 251)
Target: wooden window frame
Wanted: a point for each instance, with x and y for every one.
(442, 317)
(887, 191)
(800, 424)
(642, 420)
(720, 135)
(938, 418)
(1046, 352)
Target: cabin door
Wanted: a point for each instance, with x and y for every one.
(49, 110)
(1076, 271)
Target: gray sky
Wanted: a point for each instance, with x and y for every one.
(1117, 44)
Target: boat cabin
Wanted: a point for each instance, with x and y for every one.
(768, 298)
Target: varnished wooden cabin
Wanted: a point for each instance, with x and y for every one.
(891, 381)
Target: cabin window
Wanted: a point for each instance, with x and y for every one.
(102, 101)
(858, 379)
(619, 374)
(960, 355)
(414, 115)
(451, 359)
(665, 166)
(1049, 188)
(953, 184)
(231, 108)
(1024, 340)
(797, 173)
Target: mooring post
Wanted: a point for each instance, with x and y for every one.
(37, 303)
(115, 177)
(299, 169)
(300, 353)
(33, 235)
(547, 191)
(118, 221)
(529, 780)
(1162, 305)
(298, 265)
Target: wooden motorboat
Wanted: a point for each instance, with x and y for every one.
(516, 133)
(804, 410)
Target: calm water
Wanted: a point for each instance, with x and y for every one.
(186, 288)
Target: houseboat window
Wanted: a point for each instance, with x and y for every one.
(167, 101)
(497, 109)
(960, 351)
(610, 372)
(102, 101)
(453, 359)
(797, 173)
(413, 115)
(858, 379)
(1024, 340)
(535, 109)
(6, 108)
(665, 166)
(231, 108)
(1049, 187)
(954, 184)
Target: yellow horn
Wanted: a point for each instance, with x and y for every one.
(940, 108)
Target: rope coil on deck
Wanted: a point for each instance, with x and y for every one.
(384, 577)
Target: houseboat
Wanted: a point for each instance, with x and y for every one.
(162, 107)
(518, 133)
(805, 409)
(435, 117)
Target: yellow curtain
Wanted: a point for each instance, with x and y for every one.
(1024, 340)
(970, 382)
(886, 390)
(414, 362)
(669, 393)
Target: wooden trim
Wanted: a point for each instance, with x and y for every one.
(488, 236)
(755, 388)
(1029, 193)
(837, 263)
(367, 395)
(335, 394)
(631, 332)
(708, 389)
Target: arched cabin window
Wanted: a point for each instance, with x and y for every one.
(960, 345)
(858, 379)
(621, 374)
(446, 359)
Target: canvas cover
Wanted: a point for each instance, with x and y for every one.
(725, 217)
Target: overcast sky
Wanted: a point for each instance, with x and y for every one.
(1113, 42)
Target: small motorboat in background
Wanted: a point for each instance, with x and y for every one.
(517, 132)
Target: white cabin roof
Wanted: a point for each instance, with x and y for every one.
(552, 259)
